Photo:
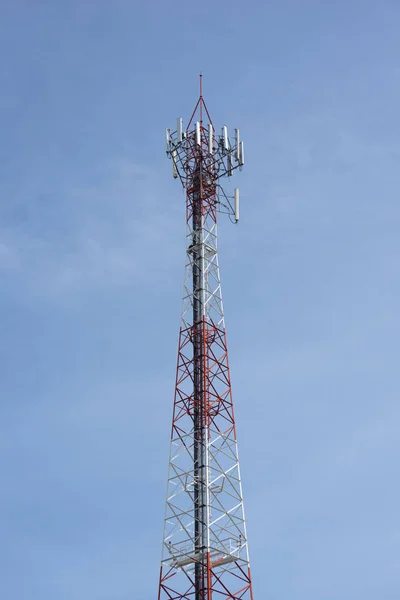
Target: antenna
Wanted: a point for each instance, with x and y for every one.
(241, 154)
(225, 139)
(236, 196)
(210, 138)
(229, 161)
(237, 136)
(167, 139)
(174, 169)
(198, 133)
(179, 129)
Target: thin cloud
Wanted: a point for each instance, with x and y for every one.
(115, 229)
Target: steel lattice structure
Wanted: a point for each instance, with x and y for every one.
(205, 553)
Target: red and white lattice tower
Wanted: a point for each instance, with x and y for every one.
(205, 553)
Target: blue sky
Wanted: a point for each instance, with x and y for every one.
(92, 243)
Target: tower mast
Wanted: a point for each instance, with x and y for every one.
(201, 516)
(205, 553)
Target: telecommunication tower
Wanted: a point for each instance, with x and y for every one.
(205, 552)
